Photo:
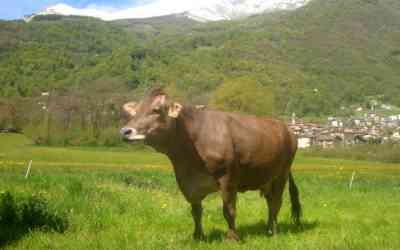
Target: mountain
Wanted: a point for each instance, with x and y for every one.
(234, 9)
(212, 10)
(315, 59)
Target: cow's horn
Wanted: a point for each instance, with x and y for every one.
(130, 108)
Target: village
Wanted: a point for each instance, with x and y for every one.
(370, 127)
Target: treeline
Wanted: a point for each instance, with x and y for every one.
(70, 118)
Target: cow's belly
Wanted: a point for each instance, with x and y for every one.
(196, 186)
(255, 178)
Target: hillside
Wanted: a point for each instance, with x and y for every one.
(316, 59)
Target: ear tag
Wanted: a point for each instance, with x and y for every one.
(174, 110)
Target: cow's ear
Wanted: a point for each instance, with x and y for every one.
(130, 108)
(174, 110)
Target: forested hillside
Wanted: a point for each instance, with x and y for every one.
(311, 61)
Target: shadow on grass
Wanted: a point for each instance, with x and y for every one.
(260, 229)
(19, 216)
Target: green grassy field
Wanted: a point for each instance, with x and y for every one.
(126, 198)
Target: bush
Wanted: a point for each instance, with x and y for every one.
(8, 210)
(37, 214)
(244, 95)
(29, 213)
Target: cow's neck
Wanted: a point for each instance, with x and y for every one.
(182, 141)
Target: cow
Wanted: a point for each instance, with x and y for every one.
(212, 150)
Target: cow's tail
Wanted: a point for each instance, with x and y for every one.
(294, 199)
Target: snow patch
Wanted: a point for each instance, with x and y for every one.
(206, 10)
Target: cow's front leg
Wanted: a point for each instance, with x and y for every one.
(229, 195)
(197, 212)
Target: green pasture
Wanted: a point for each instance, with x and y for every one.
(126, 198)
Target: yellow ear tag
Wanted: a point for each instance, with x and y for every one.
(174, 110)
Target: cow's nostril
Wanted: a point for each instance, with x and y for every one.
(126, 131)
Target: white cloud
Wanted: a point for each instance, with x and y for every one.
(202, 10)
(155, 8)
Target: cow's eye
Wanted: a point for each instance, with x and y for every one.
(157, 110)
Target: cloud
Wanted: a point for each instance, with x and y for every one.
(155, 8)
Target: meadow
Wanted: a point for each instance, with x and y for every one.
(127, 198)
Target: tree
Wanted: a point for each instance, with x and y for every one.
(244, 95)
(176, 93)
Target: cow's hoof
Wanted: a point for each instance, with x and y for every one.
(270, 232)
(199, 236)
(232, 235)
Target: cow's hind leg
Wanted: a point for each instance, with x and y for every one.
(229, 195)
(229, 210)
(197, 212)
(273, 194)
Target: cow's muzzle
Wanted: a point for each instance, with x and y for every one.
(131, 134)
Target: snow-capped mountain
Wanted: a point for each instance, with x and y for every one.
(206, 10)
(233, 9)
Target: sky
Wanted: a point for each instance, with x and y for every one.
(16, 9)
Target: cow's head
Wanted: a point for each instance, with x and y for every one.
(150, 119)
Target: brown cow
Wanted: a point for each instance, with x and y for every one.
(212, 150)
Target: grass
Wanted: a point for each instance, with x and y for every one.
(17, 148)
(127, 199)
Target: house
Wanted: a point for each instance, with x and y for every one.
(325, 141)
(305, 141)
